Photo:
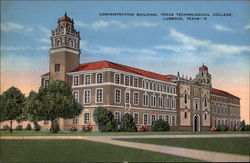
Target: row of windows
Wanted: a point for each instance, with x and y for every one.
(226, 122)
(224, 99)
(87, 79)
(87, 95)
(153, 101)
(146, 84)
(225, 110)
(147, 119)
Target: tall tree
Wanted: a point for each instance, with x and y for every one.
(127, 123)
(12, 103)
(32, 106)
(56, 101)
(105, 119)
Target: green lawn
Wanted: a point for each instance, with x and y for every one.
(227, 145)
(77, 151)
(77, 133)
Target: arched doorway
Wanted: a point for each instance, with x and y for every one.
(196, 123)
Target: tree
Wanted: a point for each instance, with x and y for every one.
(32, 106)
(160, 125)
(243, 125)
(105, 119)
(12, 103)
(56, 101)
(127, 123)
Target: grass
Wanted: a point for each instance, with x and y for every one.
(227, 145)
(78, 133)
(77, 151)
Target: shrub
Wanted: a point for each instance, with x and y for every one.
(19, 128)
(222, 128)
(55, 127)
(37, 126)
(213, 128)
(87, 128)
(28, 127)
(247, 128)
(238, 128)
(127, 123)
(234, 128)
(160, 125)
(143, 128)
(243, 125)
(110, 126)
(6, 128)
(73, 128)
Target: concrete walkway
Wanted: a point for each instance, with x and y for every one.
(183, 152)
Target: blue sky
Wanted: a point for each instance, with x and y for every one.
(150, 43)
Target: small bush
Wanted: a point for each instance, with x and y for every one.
(213, 128)
(28, 127)
(247, 128)
(87, 128)
(55, 127)
(19, 128)
(110, 126)
(6, 128)
(37, 126)
(243, 125)
(160, 125)
(143, 128)
(222, 128)
(73, 128)
(127, 123)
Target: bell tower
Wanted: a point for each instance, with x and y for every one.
(204, 76)
(65, 49)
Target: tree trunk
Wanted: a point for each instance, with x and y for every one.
(52, 125)
(11, 125)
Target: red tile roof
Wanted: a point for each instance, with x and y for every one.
(65, 18)
(222, 93)
(48, 73)
(203, 67)
(170, 76)
(107, 64)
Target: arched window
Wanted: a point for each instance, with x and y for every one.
(76, 95)
(185, 98)
(58, 43)
(205, 102)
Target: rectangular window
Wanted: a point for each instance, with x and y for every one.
(57, 67)
(99, 78)
(127, 97)
(145, 119)
(160, 116)
(75, 80)
(99, 95)
(185, 114)
(87, 96)
(117, 95)
(136, 118)
(167, 118)
(86, 118)
(117, 116)
(75, 120)
(173, 120)
(46, 83)
(76, 95)
(145, 99)
(87, 79)
(117, 78)
(127, 80)
(153, 118)
(160, 101)
(136, 98)
(135, 82)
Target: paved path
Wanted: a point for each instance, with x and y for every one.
(183, 152)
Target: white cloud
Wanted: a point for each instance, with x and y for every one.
(45, 30)
(119, 50)
(10, 26)
(221, 28)
(44, 40)
(145, 24)
(201, 46)
(247, 26)
(81, 24)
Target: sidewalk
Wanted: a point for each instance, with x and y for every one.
(183, 152)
